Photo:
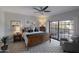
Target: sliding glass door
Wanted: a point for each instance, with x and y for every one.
(61, 29)
(54, 29)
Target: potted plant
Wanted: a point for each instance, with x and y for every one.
(4, 40)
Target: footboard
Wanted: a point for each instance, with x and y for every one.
(37, 39)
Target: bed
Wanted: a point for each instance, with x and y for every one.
(35, 38)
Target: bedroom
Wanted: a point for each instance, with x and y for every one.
(24, 18)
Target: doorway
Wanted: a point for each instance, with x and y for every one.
(61, 29)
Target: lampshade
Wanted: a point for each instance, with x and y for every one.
(42, 20)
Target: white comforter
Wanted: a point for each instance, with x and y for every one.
(25, 38)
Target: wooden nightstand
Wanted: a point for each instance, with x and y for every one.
(42, 28)
(17, 37)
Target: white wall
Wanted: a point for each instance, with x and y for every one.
(1, 23)
(20, 17)
(65, 16)
(76, 26)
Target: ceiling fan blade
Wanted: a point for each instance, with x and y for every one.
(44, 8)
(47, 11)
(36, 9)
(41, 7)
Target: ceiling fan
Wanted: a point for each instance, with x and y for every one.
(42, 9)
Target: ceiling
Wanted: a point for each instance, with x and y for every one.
(28, 10)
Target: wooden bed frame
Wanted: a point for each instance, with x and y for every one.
(37, 39)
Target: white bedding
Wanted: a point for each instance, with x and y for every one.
(25, 38)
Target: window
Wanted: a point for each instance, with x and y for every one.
(61, 29)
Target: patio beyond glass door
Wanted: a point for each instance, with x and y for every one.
(61, 29)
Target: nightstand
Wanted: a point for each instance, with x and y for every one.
(17, 37)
